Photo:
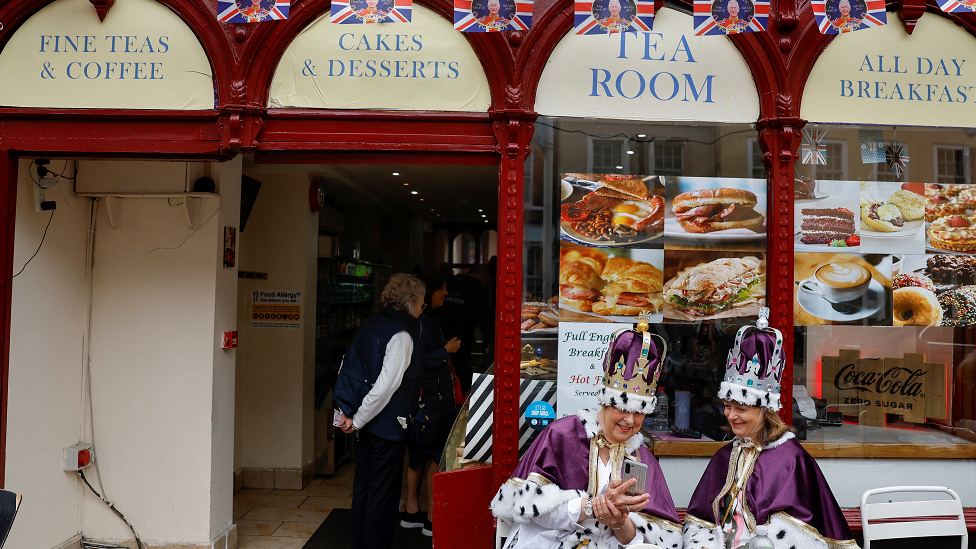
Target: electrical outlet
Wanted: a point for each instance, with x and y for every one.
(40, 195)
(79, 456)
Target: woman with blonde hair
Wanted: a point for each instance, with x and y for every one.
(764, 481)
(376, 393)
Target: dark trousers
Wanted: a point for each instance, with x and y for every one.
(376, 491)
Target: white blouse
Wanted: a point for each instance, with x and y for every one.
(549, 530)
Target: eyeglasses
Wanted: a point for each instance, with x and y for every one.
(423, 306)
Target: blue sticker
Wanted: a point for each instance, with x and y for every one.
(539, 414)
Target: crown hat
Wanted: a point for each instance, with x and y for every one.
(631, 369)
(754, 370)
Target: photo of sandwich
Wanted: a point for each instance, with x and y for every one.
(704, 213)
(611, 209)
(609, 285)
(706, 285)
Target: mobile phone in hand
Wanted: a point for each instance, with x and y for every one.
(632, 469)
(336, 414)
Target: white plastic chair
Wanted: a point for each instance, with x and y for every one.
(501, 533)
(912, 509)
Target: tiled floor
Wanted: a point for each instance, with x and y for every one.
(285, 519)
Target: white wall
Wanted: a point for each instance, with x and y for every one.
(162, 390)
(276, 367)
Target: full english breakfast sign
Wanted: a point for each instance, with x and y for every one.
(907, 386)
(581, 349)
(667, 74)
(141, 57)
(425, 65)
(888, 77)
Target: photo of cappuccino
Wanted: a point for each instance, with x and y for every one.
(842, 289)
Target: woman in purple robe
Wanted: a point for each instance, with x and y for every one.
(764, 477)
(566, 492)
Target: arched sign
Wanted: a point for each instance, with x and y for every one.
(423, 65)
(667, 74)
(886, 76)
(143, 56)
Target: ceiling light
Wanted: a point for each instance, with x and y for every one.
(413, 192)
(630, 152)
(620, 167)
(432, 209)
(486, 221)
(638, 135)
(396, 173)
(421, 199)
(406, 184)
(483, 215)
(480, 210)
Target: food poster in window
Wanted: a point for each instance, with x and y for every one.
(609, 284)
(713, 213)
(611, 210)
(892, 218)
(949, 219)
(842, 288)
(712, 285)
(935, 290)
(826, 215)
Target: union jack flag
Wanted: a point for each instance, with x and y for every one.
(634, 16)
(958, 6)
(860, 15)
(814, 147)
(267, 10)
(358, 12)
(473, 16)
(720, 17)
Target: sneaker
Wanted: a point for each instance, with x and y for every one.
(413, 520)
(428, 528)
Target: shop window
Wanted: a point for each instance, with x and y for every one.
(756, 168)
(951, 163)
(668, 158)
(836, 166)
(607, 155)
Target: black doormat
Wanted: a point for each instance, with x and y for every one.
(334, 534)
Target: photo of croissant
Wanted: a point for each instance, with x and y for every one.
(609, 284)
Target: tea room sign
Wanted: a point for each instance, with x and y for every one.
(907, 386)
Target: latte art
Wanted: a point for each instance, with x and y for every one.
(843, 275)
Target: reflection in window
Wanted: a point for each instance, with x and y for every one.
(668, 158)
(607, 156)
(950, 164)
(836, 166)
(757, 170)
(464, 249)
(884, 173)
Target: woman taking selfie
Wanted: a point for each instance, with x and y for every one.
(567, 490)
(764, 478)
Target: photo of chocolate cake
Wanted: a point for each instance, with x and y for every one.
(824, 225)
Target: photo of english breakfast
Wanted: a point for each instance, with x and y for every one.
(609, 285)
(712, 285)
(611, 209)
(715, 213)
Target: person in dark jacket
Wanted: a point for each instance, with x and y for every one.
(437, 399)
(465, 309)
(376, 394)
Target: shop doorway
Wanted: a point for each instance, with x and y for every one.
(336, 233)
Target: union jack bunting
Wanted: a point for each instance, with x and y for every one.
(492, 15)
(371, 11)
(613, 16)
(958, 6)
(252, 11)
(730, 16)
(842, 16)
(814, 147)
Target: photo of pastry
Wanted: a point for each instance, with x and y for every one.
(842, 288)
(703, 213)
(540, 317)
(609, 284)
(831, 220)
(935, 290)
(611, 210)
(712, 285)
(892, 218)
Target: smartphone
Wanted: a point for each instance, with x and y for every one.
(632, 469)
(335, 417)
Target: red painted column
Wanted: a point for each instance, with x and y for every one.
(779, 139)
(8, 210)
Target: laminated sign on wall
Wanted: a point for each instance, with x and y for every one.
(276, 309)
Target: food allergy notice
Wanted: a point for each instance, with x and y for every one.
(276, 309)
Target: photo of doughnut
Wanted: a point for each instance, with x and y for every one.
(715, 213)
(829, 219)
(892, 217)
(935, 290)
(842, 288)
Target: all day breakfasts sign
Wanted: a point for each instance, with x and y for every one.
(886, 76)
(667, 74)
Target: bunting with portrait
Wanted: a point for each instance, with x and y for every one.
(371, 11)
(724, 17)
(843, 16)
(957, 6)
(492, 15)
(613, 16)
(252, 11)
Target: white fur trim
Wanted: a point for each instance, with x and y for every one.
(786, 531)
(657, 531)
(590, 419)
(522, 500)
(699, 534)
(628, 402)
(749, 396)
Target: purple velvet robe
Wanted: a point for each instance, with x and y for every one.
(786, 478)
(561, 453)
